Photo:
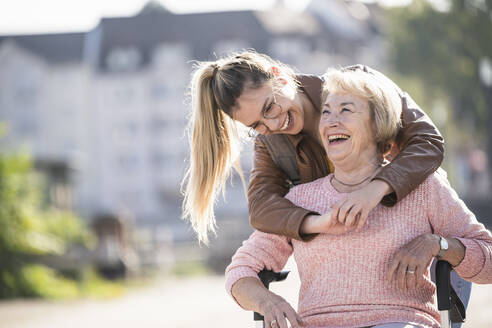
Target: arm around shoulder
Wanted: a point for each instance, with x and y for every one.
(421, 152)
(268, 209)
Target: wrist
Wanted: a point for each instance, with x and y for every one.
(435, 244)
(381, 187)
(262, 300)
(309, 224)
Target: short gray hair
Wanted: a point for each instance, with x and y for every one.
(383, 97)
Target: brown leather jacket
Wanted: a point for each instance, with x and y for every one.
(422, 149)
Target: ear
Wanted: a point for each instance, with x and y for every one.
(278, 75)
(275, 70)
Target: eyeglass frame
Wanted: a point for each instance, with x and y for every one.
(252, 132)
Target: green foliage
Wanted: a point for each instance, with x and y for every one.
(190, 268)
(28, 231)
(94, 286)
(443, 50)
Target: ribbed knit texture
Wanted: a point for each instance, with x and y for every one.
(344, 278)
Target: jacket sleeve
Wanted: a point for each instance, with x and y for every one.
(269, 211)
(450, 218)
(421, 151)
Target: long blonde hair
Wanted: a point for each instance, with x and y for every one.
(214, 141)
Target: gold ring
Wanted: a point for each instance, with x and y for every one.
(273, 323)
(411, 271)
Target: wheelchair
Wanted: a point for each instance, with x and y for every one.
(450, 306)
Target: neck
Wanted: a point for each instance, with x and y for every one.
(355, 174)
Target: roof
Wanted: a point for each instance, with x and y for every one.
(55, 48)
(202, 30)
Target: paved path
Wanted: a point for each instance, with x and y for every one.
(173, 303)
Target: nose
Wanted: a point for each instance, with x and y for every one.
(332, 119)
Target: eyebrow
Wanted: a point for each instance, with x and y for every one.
(342, 104)
(262, 110)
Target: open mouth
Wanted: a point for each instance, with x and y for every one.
(337, 138)
(286, 124)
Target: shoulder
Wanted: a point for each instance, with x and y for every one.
(312, 85)
(309, 79)
(435, 181)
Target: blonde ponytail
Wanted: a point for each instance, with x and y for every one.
(211, 155)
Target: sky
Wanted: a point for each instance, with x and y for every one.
(55, 16)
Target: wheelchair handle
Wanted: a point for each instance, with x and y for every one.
(267, 277)
(443, 283)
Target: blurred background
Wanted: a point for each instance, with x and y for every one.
(93, 109)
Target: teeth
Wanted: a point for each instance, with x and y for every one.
(338, 136)
(286, 123)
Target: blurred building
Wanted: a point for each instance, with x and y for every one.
(111, 103)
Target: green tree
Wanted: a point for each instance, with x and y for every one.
(447, 50)
(28, 231)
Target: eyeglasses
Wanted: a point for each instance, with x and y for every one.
(272, 111)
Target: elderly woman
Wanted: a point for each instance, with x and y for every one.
(380, 275)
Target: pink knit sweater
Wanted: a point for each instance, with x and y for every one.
(344, 278)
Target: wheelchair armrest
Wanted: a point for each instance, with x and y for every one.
(447, 299)
(267, 277)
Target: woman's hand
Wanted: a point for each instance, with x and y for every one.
(326, 223)
(277, 311)
(252, 295)
(354, 209)
(408, 265)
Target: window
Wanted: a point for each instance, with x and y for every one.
(128, 162)
(123, 59)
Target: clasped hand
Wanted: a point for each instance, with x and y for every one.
(350, 213)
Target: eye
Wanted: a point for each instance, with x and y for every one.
(345, 109)
(268, 109)
(325, 112)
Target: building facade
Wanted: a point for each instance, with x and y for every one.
(112, 102)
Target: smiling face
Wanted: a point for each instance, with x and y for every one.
(346, 129)
(253, 103)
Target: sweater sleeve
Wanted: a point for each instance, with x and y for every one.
(269, 211)
(450, 218)
(260, 251)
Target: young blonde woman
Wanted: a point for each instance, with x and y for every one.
(268, 98)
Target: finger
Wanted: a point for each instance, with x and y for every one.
(410, 277)
(268, 319)
(335, 209)
(292, 317)
(352, 216)
(392, 267)
(420, 275)
(342, 213)
(401, 275)
(362, 219)
(281, 320)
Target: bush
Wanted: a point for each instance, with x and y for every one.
(29, 230)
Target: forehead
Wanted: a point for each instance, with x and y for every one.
(338, 98)
(250, 103)
(252, 95)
